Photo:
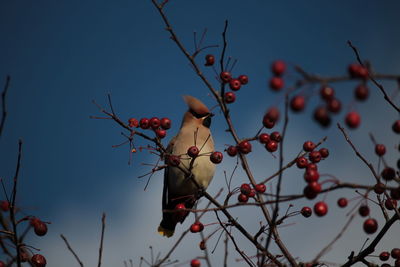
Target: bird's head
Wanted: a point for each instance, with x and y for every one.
(198, 113)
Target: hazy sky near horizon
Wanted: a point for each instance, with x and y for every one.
(61, 55)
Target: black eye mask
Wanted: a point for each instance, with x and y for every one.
(206, 120)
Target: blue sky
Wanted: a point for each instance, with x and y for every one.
(63, 54)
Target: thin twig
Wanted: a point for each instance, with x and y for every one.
(3, 99)
(103, 226)
(71, 250)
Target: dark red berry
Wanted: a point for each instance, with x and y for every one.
(384, 256)
(315, 187)
(397, 263)
(321, 115)
(363, 210)
(395, 193)
(193, 151)
(395, 253)
(244, 147)
(196, 227)
(308, 146)
(245, 189)
(260, 188)
(301, 162)
(380, 149)
(396, 127)
(390, 204)
(38, 260)
(370, 226)
(334, 105)
(324, 152)
(327, 93)
(297, 103)
(243, 198)
(320, 208)
(133, 122)
(2, 264)
(179, 213)
(173, 160)
(312, 166)
(309, 193)
(210, 60)
(311, 176)
(278, 67)
(161, 133)
(195, 263)
(165, 123)
(263, 138)
(243, 79)
(271, 146)
(235, 84)
(379, 188)
(361, 92)
(144, 123)
(268, 123)
(342, 202)
(232, 151)
(388, 173)
(155, 123)
(306, 212)
(252, 193)
(276, 83)
(314, 156)
(273, 114)
(216, 157)
(40, 228)
(353, 119)
(276, 136)
(4, 205)
(225, 76)
(229, 97)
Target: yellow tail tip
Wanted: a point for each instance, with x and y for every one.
(165, 232)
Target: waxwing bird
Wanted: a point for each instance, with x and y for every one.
(179, 189)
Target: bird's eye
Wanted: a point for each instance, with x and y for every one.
(207, 121)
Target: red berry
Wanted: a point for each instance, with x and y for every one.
(225, 76)
(252, 193)
(2, 264)
(278, 67)
(193, 151)
(308, 146)
(260, 188)
(210, 60)
(301, 162)
(38, 260)
(273, 114)
(390, 204)
(370, 226)
(321, 115)
(235, 84)
(161, 133)
(268, 123)
(144, 123)
(311, 176)
(196, 227)
(165, 123)
(384, 256)
(245, 189)
(306, 212)
(396, 127)
(334, 105)
(363, 210)
(353, 119)
(324, 152)
(342, 202)
(232, 151)
(315, 187)
(388, 173)
(229, 97)
(395, 193)
(243, 198)
(271, 146)
(173, 160)
(155, 123)
(314, 156)
(361, 92)
(312, 166)
(327, 93)
(395, 253)
(263, 138)
(216, 157)
(4, 205)
(297, 103)
(40, 228)
(358, 71)
(275, 136)
(243, 79)
(363, 73)
(180, 214)
(133, 122)
(244, 147)
(320, 208)
(309, 193)
(380, 149)
(379, 188)
(195, 263)
(276, 83)
(397, 263)
(202, 245)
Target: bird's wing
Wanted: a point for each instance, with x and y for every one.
(165, 198)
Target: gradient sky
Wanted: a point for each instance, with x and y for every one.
(61, 55)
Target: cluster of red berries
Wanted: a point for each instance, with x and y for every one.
(370, 225)
(385, 255)
(247, 192)
(244, 147)
(311, 174)
(320, 209)
(271, 117)
(159, 126)
(270, 141)
(234, 84)
(278, 68)
(39, 227)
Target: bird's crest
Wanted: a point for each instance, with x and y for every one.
(196, 105)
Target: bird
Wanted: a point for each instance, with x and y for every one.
(179, 189)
